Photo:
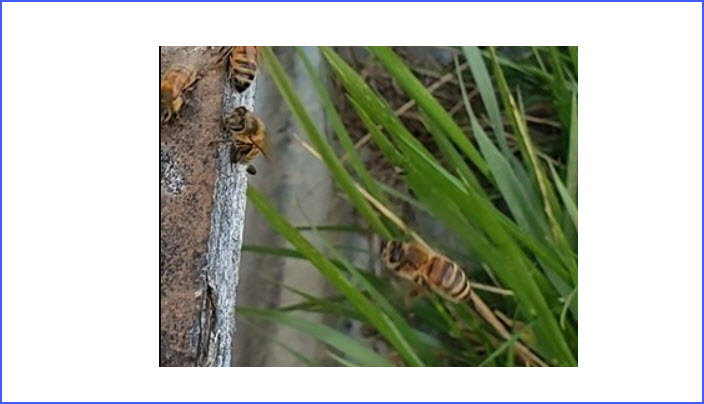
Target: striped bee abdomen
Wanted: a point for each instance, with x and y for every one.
(243, 65)
(461, 288)
(449, 278)
(243, 77)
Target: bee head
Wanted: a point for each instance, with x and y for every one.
(236, 120)
(165, 99)
(240, 111)
(392, 253)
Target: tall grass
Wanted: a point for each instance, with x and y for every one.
(525, 239)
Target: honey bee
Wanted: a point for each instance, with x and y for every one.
(176, 81)
(415, 262)
(248, 135)
(243, 66)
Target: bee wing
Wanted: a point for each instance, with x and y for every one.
(263, 145)
(256, 54)
(220, 56)
(266, 147)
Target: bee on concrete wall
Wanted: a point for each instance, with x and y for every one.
(177, 80)
(248, 136)
(243, 62)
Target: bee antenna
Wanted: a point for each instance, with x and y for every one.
(255, 144)
(382, 246)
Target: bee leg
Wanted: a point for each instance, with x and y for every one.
(217, 142)
(413, 295)
(166, 115)
(239, 151)
(251, 170)
(395, 358)
(234, 154)
(367, 331)
(238, 126)
(178, 103)
(239, 123)
(219, 57)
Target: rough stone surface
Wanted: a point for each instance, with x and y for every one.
(187, 177)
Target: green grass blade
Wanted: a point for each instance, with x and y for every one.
(330, 305)
(283, 346)
(339, 128)
(397, 324)
(542, 251)
(288, 253)
(573, 56)
(557, 66)
(564, 194)
(506, 259)
(539, 59)
(404, 197)
(572, 154)
(375, 107)
(503, 347)
(345, 228)
(486, 91)
(541, 75)
(571, 179)
(530, 157)
(342, 177)
(453, 157)
(352, 348)
(266, 250)
(329, 308)
(561, 87)
(429, 105)
(342, 361)
(378, 112)
(332, 273)
(386, 146)
(514, 270)
(568, 303)
(525, 209)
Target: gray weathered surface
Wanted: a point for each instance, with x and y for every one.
(225, 244)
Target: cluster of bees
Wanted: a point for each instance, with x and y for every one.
(241, 127)
(409, 260)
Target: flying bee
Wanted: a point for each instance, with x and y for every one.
(415, 262)
(248, 135)
(176, 81)
(243, 66)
